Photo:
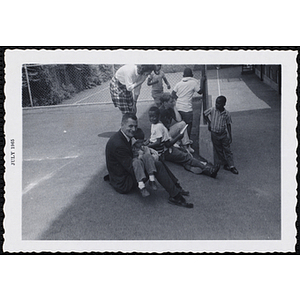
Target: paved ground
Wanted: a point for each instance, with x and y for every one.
(65, 198)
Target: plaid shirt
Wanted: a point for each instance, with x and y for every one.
(219, 120)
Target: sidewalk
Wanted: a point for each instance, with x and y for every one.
(74, 203)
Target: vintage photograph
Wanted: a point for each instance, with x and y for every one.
(150, 151)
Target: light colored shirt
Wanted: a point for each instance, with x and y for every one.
(128, 76)
(185, 90)
(219, 120)
(159, 131)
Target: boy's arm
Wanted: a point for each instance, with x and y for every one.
(177, 114)
(171, 142)
(203, 78)
(174, 95)
(207, 119)
(156, 144)
(229, 132)
(150, 82)
(166, 82)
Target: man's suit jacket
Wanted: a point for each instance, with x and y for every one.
(119, 163)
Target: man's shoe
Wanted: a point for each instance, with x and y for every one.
(215, 171)
(153, 185)
(180, 201)
(226, 167)
(182, 191)
(234, 170)
(231, 169)
(144, 192)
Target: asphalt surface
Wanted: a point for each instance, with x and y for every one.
(65, 197)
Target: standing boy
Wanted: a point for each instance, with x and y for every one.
(184, 92)
(156, 79)
(219, 121)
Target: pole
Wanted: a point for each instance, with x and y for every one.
(113, 69)
(205, 91)
(28, 84)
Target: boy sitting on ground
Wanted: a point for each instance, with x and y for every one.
(172, 120)
(162, 142)
(143, 162)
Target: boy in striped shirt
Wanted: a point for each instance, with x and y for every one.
(219, 124)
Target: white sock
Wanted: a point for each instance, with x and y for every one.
(151, 177)
(141, 185)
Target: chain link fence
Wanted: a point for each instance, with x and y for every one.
(56, 84)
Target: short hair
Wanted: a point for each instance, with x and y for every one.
(165, 97)
(139, 134)
(127, 116)
(188, 72)
(222, 98)
(147, 68)
(155, 109)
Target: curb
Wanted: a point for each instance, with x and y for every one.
(74, 105)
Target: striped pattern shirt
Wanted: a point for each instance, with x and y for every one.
(219, 120)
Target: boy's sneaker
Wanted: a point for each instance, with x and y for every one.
(153, 185)
(144, 192)
(215, 171)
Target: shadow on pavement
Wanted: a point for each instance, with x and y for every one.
(262, 90)
(106, 134)
(100, 213)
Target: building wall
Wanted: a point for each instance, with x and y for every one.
(270, 74)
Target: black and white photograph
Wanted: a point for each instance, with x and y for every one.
(150, 151)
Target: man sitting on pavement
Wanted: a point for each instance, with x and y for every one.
(119, 157)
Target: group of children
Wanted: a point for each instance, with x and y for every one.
(170, 139)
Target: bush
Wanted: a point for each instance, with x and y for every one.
(51, 84)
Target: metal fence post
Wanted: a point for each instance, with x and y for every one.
(205, 100)
(113, 69)
(28, 84)
(205, 143)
